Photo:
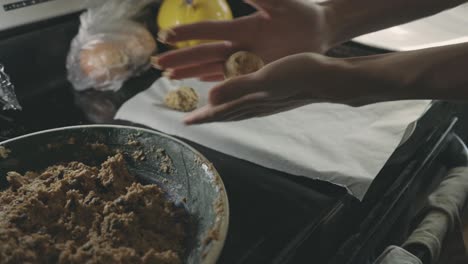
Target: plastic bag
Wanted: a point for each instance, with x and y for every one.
(110, 46)
(8, 99)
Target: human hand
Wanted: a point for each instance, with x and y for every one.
(279, 28)
(285, 84)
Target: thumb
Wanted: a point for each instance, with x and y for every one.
(233, 89)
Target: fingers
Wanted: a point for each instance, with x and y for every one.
(207, 69)
(209, 113)
(199, 116)
(251, 104)
(212, 78)
(266, 6)
(214, 113)
(254, 105)
(233, 89)
(206, 30)
(204, 53)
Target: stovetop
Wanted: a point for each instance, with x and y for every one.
(275, 217)
(273, 214)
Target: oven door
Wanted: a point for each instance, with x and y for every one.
(396, 201)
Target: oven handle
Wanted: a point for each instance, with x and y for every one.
(445, 205)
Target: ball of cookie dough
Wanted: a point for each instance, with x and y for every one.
(184, 99)
(241, 63)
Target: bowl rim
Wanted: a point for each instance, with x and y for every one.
(216, 246)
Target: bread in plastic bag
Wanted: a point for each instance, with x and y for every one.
(111, 46)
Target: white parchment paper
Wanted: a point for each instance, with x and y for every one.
(336, 143)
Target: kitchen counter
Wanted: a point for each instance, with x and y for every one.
(269, 209)
(275, 217)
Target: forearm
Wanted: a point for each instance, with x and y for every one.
(436, 73)
(351, 18)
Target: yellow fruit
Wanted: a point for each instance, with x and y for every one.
(181, 12)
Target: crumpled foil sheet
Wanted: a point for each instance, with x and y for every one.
(8, 100)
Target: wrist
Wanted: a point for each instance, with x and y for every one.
(349, 19)
(345, 81)
(367, 80)
(389, 77)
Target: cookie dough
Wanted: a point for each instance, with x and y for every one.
(241, 63)
(184, 99)
(74, 213)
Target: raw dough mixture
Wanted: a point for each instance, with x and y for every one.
(184, 99)
(242, 63)
(75, 213)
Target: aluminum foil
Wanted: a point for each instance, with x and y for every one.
(8, 100)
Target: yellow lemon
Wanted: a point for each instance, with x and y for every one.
(181, 12)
